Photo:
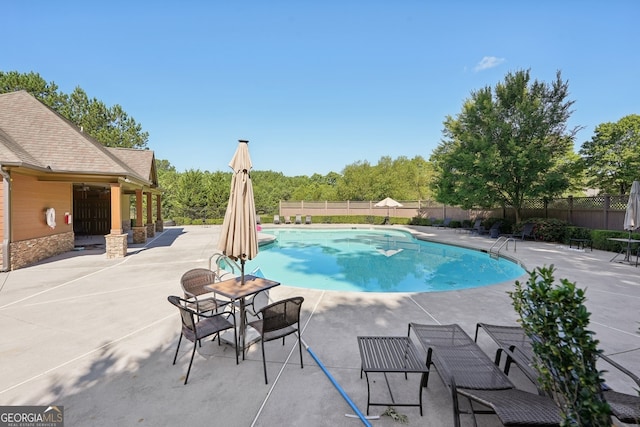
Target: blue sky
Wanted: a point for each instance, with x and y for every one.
(316, 86)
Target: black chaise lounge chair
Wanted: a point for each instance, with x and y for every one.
(444, 223)
(527, 232)
(513, 342)
(477, 227)
(469, 373)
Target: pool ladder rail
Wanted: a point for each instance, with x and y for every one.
(222, 261)
(503, 241)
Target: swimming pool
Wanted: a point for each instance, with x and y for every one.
(375, 260)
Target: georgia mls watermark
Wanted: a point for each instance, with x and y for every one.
(31, 416)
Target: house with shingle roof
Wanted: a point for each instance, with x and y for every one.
(57, 182)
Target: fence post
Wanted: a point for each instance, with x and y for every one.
(570, 213)
(607, 205)
(546, 206)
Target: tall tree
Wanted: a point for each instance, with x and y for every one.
(506, 145)
(357, 182)
(168, 182)
(33, 83)
(190, 195)
(111, 126)
(611, 157)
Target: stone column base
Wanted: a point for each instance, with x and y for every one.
(159, 226)
(116, 245)
(151, 230)
(139, 235)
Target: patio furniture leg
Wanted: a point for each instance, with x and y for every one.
(178, 348)
(193, 353)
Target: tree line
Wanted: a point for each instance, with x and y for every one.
(197, 195)
(508, 143)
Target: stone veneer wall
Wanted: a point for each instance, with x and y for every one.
(29, 251)
(159, 226)
(139, 234)
(116, 245)
(151, 230)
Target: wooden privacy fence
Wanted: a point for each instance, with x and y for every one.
(596, 212)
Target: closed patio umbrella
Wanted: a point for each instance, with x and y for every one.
(389, 203)
(632, 215)
(239, 235)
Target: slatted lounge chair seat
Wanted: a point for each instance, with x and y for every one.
(468, 372)
(516, 407)
(624, 407)
(513, 341)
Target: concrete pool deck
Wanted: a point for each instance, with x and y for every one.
(97, 336)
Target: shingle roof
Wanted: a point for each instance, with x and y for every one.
(32, 135)
(141, 161)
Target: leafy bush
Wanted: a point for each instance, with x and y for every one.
(556, 319)
(577, 233)
(418, 220)
(546, 229)
(353, 219)
(188, 221)
(600, 239)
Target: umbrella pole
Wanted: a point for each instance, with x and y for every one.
(241, 271)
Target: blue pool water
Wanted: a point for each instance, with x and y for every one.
(375, 260)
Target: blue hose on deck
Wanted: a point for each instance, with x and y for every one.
(342, 392)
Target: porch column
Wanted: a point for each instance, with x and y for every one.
(139, 230)
(151, 227)
(116, 240)
(159, 223)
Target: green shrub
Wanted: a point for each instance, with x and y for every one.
(600, 239)
(417, 220)
(546, 229)
(577, 233)
(556, 319)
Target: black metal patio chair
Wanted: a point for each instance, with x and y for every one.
(198, 325)
(193, 284)
(277, 320)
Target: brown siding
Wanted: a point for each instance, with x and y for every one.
(1, 208)
(30, 200)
